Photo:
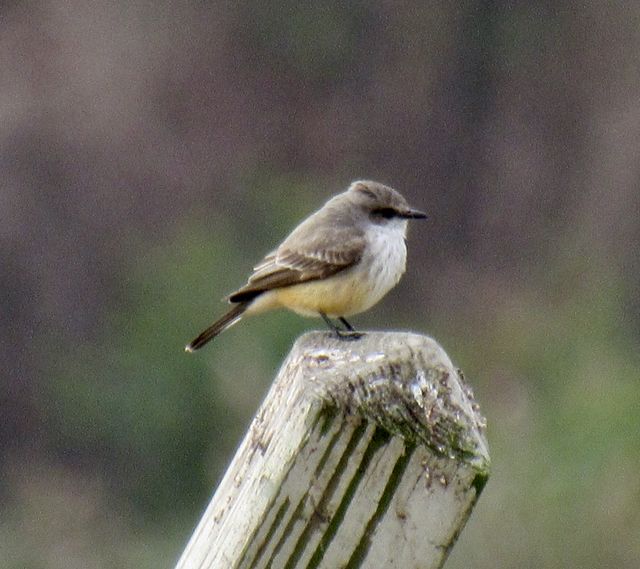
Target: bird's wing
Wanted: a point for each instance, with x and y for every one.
(301, 260)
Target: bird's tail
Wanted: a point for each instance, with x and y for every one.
(228, 320)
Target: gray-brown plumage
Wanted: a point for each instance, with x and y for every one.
(339, 261)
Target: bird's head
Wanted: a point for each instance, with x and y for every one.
(381, 203)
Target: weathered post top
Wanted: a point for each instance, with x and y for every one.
(367, 453)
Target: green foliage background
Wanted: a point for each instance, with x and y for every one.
(176, 146)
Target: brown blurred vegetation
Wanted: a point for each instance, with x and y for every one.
(151, 151)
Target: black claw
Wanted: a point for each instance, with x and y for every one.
(349, 335)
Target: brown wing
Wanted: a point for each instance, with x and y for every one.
(291, 265)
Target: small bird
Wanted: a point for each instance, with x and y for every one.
(339, 261)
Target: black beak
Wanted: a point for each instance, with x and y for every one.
(413, 214)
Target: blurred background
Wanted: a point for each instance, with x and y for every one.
(151, 152)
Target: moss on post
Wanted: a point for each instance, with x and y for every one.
(364, 454)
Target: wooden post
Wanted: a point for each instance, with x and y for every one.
(367, 453)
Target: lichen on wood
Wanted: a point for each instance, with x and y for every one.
(364, 454)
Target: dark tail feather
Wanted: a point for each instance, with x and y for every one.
(229, 319)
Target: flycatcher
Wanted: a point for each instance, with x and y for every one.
(339, 261)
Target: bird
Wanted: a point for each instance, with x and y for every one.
(339, 261)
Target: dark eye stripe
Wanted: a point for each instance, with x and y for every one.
(386, 212)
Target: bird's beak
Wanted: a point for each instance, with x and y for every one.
(413, 214)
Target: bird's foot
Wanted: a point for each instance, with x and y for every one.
(349, 335)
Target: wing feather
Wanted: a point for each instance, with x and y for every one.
(291, 265)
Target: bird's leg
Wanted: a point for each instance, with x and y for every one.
(348, 334)
(330, 323)
(346, 324)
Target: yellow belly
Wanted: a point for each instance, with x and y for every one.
(335, 297)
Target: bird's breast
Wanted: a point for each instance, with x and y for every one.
(385, 260)
(355, 289)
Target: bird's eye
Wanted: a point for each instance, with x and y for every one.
(385, 212)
